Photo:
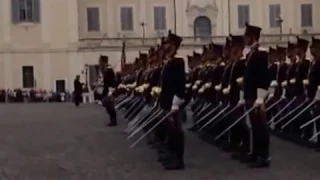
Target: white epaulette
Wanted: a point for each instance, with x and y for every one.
(277, 63)
(309, 58)
(262, 49)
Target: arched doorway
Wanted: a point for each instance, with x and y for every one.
(202, 27)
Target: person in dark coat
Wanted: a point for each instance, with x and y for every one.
(109, 82)
(77, 91)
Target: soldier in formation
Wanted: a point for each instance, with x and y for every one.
(238, 93)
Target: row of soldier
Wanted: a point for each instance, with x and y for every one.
(235, 98)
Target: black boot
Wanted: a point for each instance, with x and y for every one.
(248, 158)
(260, 163)
(175, 163)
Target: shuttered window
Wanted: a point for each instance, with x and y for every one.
(243, 15)
(274, 15)
(159, 18)
(306, 15)
(126, 17)
(25, 11)
(93, 19)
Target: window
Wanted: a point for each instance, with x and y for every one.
(306, 15)
(243, 15)
(274, 15)
(159, 18)
(25, 11)
(28, 77)
(126, 16)
(93, 19)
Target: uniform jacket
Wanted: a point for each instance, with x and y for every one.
(173, 83)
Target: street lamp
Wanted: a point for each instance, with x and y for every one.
(280, 21)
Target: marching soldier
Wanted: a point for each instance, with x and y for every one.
(255, 85)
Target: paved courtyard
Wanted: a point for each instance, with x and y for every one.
(61, 142)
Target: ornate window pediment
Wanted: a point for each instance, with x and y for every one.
(201, 6)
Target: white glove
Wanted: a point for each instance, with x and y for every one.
(261, 95)
(241, 100)
(317, 97)
(176, 103)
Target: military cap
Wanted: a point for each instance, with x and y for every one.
(272, 50)
(103, 60)
(196, 55)
(281, 50)
(237, 41)
(204, 49)
(175, 39)
(302, 43)
(315, 42)
(252, 30)
(291, 46)
(217, 49)
(228, 43)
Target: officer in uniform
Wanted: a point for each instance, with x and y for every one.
(314, 81)
(109, 83)
(232, 90)
(172, 96)
(255, 85)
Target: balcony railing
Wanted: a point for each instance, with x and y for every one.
(115, 43)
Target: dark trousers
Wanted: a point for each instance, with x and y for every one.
(77, 99)
(175, 136)
(260, 132)
(109, 105)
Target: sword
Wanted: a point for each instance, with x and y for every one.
(314, 136)
(292, 111)
(235, 123)
(209, 113)
(131, 107)
(204, 107)
(229, 112)
(145, 123)
(145, 111)
(151, 129)
(194, 102)
(136, 123)
(136, 110)
(214, 118)
(296, 116)
(309, 122)
(281, 111)
(274, 104)
(124, 102)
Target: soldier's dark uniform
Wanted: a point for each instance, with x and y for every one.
(109, 81)
(173, 83)
(255, 86)
(237, 69)
(314, 82)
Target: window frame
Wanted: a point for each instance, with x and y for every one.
(90, 26)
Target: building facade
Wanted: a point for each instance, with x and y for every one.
(45, 44)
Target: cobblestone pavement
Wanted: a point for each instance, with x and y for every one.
(61, 142)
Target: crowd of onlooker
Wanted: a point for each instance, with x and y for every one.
(33, 95)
